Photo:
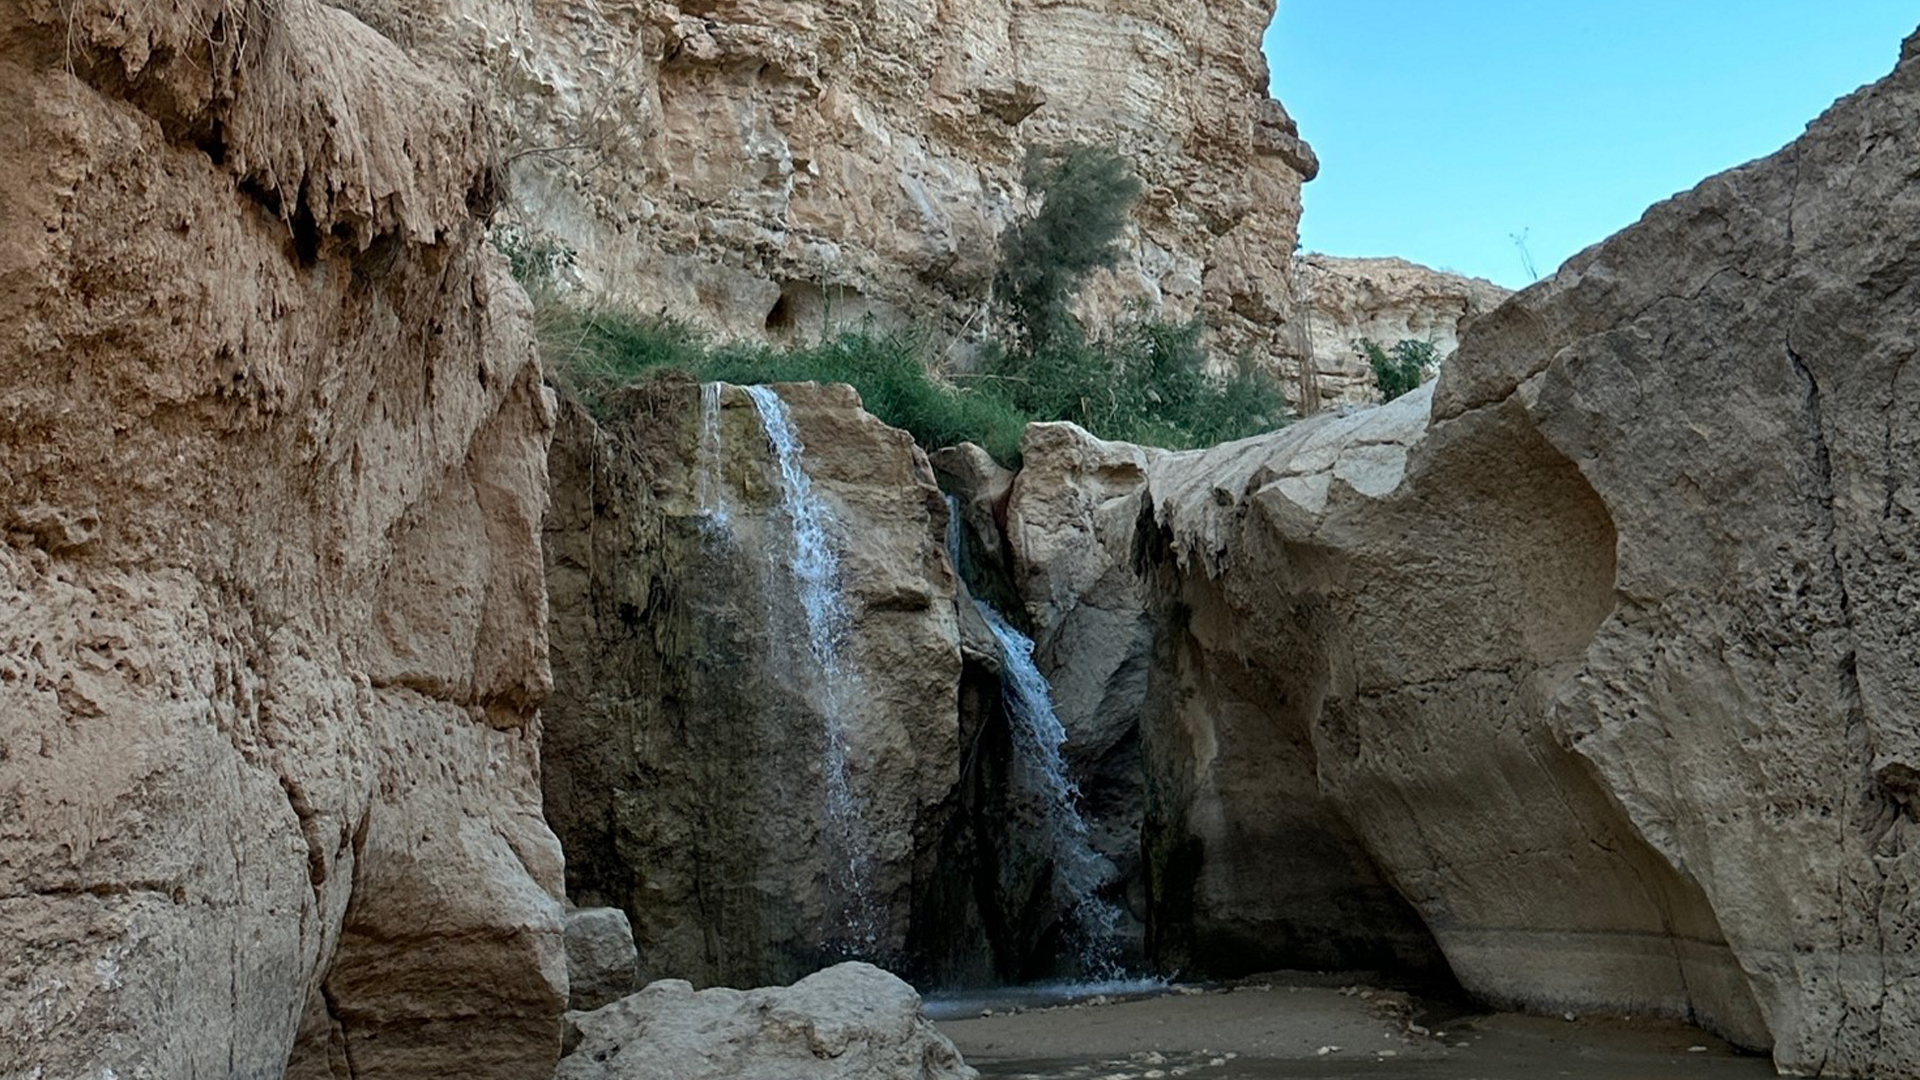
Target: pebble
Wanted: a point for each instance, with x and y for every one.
(1325, 1050)
(1696, 1049)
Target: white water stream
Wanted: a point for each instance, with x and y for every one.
(814, 567)
(1038, 736)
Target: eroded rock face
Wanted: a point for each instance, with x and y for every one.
(1343, 301)
(271, 637)
(766, 168)
(849, 1022)
(1598, 651)
(687, 764)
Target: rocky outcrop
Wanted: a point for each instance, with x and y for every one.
(690, 740)
(1597, 650)
(849, 1022)
(768, 169)
(1341, 302)
(271, 634)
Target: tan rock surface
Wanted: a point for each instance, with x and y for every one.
(1340, 302)
(766, 168)
(271, 444)
(686, 763)
(1601, 646)
(849, 1022)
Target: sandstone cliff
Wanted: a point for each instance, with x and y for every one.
(766, 168)
(271, 636)
(1339, 302)
(1598, 651)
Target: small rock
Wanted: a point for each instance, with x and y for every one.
(1696, 1049)
(1325, 1050)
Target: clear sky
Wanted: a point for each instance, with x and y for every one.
(1446, 126)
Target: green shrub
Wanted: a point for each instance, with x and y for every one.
(1085, 195)
(1399, 370)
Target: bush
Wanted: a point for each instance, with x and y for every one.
(1147, 386)
(1401, 369)
(1085, 195)
(593, 353)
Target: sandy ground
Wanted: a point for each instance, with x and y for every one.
(1270, 1031)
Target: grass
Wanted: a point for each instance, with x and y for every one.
(1145, 386)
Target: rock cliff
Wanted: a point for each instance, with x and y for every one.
(1339, 302)
(271, 638)
(691, 759)
(1598, 651)
(768, 168)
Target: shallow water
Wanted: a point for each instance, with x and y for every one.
(1320, 1033)
(969, 1004)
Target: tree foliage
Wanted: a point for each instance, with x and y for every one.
(1401, 369)
(1086, 194)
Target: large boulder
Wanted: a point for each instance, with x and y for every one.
(602, 963)
(691, 765)
(850, 1022)
(272, 443)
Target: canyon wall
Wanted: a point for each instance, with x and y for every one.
(1339, 302)
(271, 608)
(1598, 650)
(768, 169)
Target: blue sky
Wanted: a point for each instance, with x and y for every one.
(1446, 126)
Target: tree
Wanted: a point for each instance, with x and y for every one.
(1399, 370)
(1086, 194)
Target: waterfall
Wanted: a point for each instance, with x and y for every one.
(710, 462)
(1038, 736)
(814, 566)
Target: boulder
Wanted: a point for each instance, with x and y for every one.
(602, 963)
(852, 1021)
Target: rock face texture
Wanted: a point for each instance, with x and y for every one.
(768, 168)
(602, 964)
(1599, 650)
(1339, 302)
(271, 608)
(689, 757)
(849, 1022)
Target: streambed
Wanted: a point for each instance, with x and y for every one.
(1273, 1031)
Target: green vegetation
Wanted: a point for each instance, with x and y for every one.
(1142, 382)
(1399, 370)
(1086, 196)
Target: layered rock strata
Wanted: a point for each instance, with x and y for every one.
(775, 169)
(1341, 302)
(272, 446)
(1599, 649)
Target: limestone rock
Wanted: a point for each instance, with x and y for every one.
(849, 1022)
(602, 964)
(769, 168)
(272, 441)
(688, 768)
(1600, 647)
(1340, 302)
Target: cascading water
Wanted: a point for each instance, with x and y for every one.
(1038, 736)
(710, 462)
(815, 569)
